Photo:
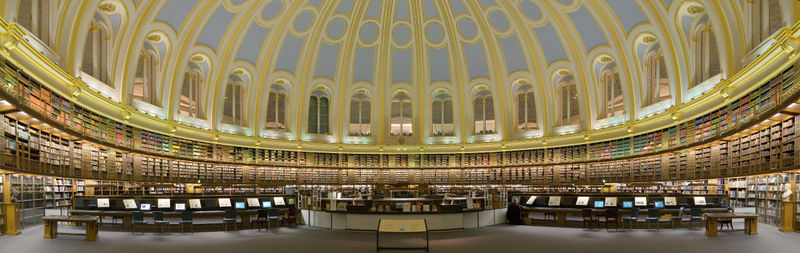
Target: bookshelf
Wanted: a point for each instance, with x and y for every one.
(762, 192)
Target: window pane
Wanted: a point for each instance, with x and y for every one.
(531, 108)
(354, 111)
(323, 115)
(282, 110)
(271, 113)
(312, 115)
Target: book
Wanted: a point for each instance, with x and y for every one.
(103, 203)
(640, 201)
(582, 201)
(129, 203)
(554, 201)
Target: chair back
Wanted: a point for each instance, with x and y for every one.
(230, 213)
(263, 213)
(635, 212)
(611, 214)
(680, 211)
(158, 216)
(186, 215)
(137, 216)
(653, 212)
(697, 212)
(274, 211)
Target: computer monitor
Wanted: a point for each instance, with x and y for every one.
(266, 204)
(627, 204)
(240, 205)
(145, 207)
(195, 204)
(599, 204)
(129, 203)
(659, 204)
(180, 206)
(103, 203)
(224, 202)
(279, 201)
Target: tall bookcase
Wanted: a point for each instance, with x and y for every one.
(762, 192)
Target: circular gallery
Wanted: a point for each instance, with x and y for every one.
(436, 125)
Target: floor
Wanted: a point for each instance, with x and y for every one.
(490, 239)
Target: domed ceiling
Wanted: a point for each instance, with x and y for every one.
(402, 71)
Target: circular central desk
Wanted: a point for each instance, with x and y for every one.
(368, 221)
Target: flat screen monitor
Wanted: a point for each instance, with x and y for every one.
(582, 201)
(129, 203)
(531, 200)
(194, 204)
(640, 201)
(239, 205)
(163, 203)
(659, 204)
(103, 203)
(266, 204)
(180, 206)
(224, 202)
(554, 201)
(252, 202)
(145, 207)
(279, 201)
(611, 201)
(599, 204)
(700, 201)
(670, 201)
(627, 204)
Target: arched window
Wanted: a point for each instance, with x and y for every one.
(401, 120)
(189, 102)
(360, 114)
(655, 77)
(613, 102)
(526, 108)
(96, 55)
(765, 18)
(704, 51)
(442, 114)
(232, 105)
(144, 82)
(318, 113)
(483, 112)
(567, 96)
(34, 15)
(276, 107)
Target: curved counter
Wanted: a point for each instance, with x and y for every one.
(435, 220)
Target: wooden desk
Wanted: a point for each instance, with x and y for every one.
(561, 212)
(127, 220)
(750, 222)
(51, 226)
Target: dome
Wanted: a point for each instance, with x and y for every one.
(366, 74)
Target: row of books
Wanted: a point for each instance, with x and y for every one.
(20, 87)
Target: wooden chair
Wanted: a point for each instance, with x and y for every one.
(696, 214)
(589, 218)
(274, 214)
(230, 217)
(546, 215)
(261, 220)
(159, 221)
(138, 219)
(612, 216)
(652, 217)
(187, 220)
(633, 218)
(677, 218)
(291, 217)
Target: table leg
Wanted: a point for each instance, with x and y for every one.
(126, 221)
(245, 220)
(561, 218)
(50, 229)
(711, 227)
(91, 231)
(753, 226)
